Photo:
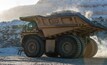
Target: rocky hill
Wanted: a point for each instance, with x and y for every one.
(10, 33)
(43, 7)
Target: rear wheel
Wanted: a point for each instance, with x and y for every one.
(82, 41)
(34, 47)
(68, 47)
(95, 48)
(91, 48)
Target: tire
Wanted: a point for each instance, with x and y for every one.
(95, 47)
(82, 41)
(68, 47)
(34, 47)
(90, 49)
(51, 54)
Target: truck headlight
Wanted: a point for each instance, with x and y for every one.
(30, 26)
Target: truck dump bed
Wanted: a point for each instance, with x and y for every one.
(63, 23)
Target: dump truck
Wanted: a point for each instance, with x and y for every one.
(63, 34)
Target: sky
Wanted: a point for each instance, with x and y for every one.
(7, 4)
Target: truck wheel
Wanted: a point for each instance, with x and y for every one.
(34, 47)
(68, 47)
(82, 46)
(51, 54)
(90, 49)
(95, 48)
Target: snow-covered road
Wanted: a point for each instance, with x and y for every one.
(19, 60)
(8, 56)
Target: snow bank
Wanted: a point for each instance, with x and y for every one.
(10, 51)
(10, 33)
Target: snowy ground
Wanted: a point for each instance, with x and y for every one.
(13, 51)
(9, 56)
(17, 60)
(10, 51)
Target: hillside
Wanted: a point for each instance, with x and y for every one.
(10, 33)
(43, 7)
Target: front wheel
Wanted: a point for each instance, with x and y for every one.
(34, 47)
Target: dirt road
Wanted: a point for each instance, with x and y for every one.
(18, 60)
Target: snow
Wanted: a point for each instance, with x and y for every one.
(10, 33)
(12, 23)
(10, 51)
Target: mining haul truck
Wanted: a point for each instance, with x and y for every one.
(63, 34)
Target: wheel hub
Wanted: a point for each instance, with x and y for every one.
(67, 47)
(32, 47)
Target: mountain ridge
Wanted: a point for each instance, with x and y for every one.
(43, 7)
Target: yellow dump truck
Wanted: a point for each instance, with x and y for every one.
(62, 34)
